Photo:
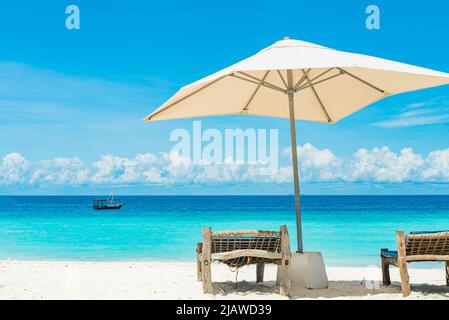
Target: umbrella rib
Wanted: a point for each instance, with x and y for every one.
(363, 81)
(300, 81)
(322, 74)
(255, 92)
(318, 98)
(282, 78)
(184, 98)
(265, 84)
(305, 86)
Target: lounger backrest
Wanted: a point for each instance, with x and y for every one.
(244, 240)
(427, 244)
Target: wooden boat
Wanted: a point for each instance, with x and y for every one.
(107, 204)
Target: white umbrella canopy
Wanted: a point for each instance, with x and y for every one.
(328, 84)
(301, 81)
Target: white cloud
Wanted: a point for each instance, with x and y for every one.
(120, 170)
(437, 166)
(14, 169)
(317, 164)
(379, 165)
(60, 171)
(383, 165)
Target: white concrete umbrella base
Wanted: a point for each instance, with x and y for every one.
(308, 271)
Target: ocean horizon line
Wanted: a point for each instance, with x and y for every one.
(225, 195)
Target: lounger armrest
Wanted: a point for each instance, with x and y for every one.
(388, 254)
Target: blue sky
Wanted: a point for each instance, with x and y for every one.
(78, 96)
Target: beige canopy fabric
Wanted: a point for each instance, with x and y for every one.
(300, 81)
(328, 84)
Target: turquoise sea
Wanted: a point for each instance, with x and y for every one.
(348, 230)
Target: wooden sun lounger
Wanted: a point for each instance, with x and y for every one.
(415, 247)
(240, 248)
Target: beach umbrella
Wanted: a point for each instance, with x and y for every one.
(300, 81)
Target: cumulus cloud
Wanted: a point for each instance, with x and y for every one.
(14, 169)
(383, 165)
(437, 168)
(317, 164)
(378, 165)
(144, 168)
(60, 171)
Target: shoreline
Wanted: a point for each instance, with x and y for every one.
(431, 265)
(177, 280)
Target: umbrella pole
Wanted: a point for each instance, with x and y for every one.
(291, 104)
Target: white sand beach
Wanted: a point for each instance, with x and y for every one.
(177, 280)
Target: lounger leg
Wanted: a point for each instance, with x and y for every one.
(259, 272)
(199, 249)
(402, 264)
(206, 276)
(385, 270)
(284, 286)
(285, 263)
(447, 273)
(405, 280)
(206, 261)
(278, 275)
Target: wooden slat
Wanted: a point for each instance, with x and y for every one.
(428, 257)
(246, 253)
(436, 249)
(445, 246)
(427, 247)
(427, 235)
(246, 233)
